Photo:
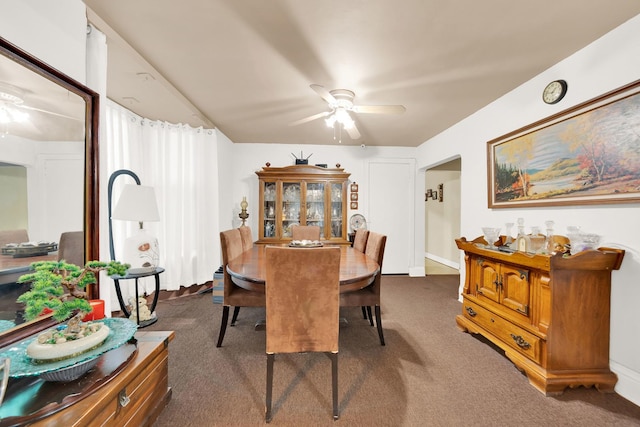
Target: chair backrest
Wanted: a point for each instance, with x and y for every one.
(231, 247)
(303, 299)
(71, 247)
(247, 238)
(360, 241)
(305, 232)
(375, 246)
(375, 249)
(13, 236)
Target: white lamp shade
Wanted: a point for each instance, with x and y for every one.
(137, 203)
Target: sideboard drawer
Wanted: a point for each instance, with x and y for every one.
(521, 340)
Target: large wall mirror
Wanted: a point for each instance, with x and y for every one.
(48, 168)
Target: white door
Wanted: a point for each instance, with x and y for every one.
(391, 210)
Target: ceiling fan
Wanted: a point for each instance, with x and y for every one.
(12, 106)
(341, 104)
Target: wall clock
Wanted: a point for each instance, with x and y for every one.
(554, 91)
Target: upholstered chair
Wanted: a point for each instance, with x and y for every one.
(233, 295)
(302, 290)
(370, 296)
(71, 247)
(13, 236)
(305, 232)
(360, 240)
(247, 238)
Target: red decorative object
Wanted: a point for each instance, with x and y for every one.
(98, 310)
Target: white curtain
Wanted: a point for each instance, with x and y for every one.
(180, 163)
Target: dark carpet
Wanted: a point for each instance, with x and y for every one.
(429, 373)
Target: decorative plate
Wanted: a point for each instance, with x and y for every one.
(357, 221)
(305, 244)
(22, 365)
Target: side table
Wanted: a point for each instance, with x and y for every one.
(117, 278)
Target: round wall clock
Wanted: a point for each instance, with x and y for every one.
(357, 221)
(554, 91)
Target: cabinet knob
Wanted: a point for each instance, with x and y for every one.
(471, 312)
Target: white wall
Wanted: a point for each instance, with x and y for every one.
(606, 64)
(52, 31)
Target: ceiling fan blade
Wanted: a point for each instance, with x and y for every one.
(353, 132)
(26, 107)
(310, 118)
(379, 109)
(324, 93)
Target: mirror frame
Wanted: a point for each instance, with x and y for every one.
(91, 171)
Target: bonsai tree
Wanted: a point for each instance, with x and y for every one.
(60, 287)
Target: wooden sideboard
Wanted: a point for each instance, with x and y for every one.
(550, 314)
(133, 395)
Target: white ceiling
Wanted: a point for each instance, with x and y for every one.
(245, 66)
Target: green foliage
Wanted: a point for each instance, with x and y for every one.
(506, 176)
(59, 287)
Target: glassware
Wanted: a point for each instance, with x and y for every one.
(548, 243)
(507, 227)
(491, 234)
(575, 238)
(536, 240)
(584, 242)
(522, 240)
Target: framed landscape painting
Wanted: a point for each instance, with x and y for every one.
(589, 154)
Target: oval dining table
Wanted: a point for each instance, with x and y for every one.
(249, 270)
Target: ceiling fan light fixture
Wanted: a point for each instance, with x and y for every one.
(11, 115)
(11, 94)
(330, 121)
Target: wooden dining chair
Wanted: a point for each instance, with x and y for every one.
(233, 295)
(302, 290)
(305, 232)
(370, 296)
(360, 240)
(247, 238)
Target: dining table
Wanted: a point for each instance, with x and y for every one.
(249, 271)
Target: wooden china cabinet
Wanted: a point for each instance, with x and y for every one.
(548, 313)
(302, 195)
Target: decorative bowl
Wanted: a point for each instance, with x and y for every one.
(71, 373)
(23, 366)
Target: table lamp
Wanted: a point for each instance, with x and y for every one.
(138, 203)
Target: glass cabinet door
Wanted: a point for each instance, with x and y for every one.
(269, 209)
(315, 205)
(336, 209)
(290, 207)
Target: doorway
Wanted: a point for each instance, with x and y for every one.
(442, 218)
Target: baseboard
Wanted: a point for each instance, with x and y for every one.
(416, 271)
(443, 261)
(628, 385)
